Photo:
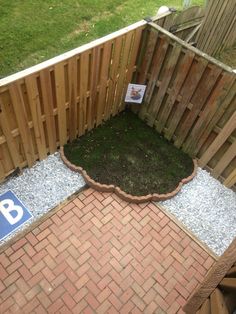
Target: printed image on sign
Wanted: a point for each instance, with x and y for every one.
(135, 93)
(13, 214)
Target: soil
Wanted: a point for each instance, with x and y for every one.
(124, 151)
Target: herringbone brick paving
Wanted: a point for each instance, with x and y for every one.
(100, 254)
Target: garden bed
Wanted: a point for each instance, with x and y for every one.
(124, 152)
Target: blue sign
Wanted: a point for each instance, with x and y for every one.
(13, 214)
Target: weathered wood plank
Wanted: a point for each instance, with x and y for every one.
(228, 284)
(210, 109)
(206, 307)
(168, 70)
(219, 141)
(84, 73)
(224, 103)
(21, 117)
(231, 179)
(132, 62)
(11, 144)
(213, 278)
(113, 75)
(122, 73)
(199, 99)
(59, 71)
(46, 87)
(218, 305)
(224, 161)
(157, 63)
(35, 107)
(106, 62)
(187, 92)
(180, 78)
(73, 108)
(147, 58)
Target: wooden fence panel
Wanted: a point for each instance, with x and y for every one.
(44, 106)
(191, 99)
(184, 24)
(218, 27)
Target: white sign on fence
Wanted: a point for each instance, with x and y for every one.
(135, 93)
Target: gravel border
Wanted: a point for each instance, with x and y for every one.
(208, 209)
(42, 187)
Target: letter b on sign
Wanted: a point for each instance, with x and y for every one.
(12, 214)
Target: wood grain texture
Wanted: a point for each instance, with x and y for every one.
(212, 280)
(190, 99)
(217, 31)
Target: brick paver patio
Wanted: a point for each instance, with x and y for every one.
(100, 254)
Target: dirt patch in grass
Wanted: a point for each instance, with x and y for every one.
(124, 151)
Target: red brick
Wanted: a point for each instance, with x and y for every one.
(127, 307)
(30, 306)
(127, 295)
(68, 300)
(115, 301)
(54, 308)
(149, 296)
(151, 307)
(82, 281)
(16, 246)
(92, 285)
(44, 299)
(138, 302)
(115, 288)
(11, 278)
(138, 289)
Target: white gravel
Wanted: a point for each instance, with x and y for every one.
(208, 209)
(42, 187)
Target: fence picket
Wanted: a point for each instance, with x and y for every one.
(189, 87)
(73, 112)
(198, 100)
(218, 142)
(21, 117)
(46, 87)
(9, 137)
(181, 76)
(33, 96)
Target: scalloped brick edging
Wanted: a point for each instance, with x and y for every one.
(127, 197)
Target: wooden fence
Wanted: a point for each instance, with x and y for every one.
(184, 24)
(44, 106)
(218, 29)
(191, 99)
(216, 294)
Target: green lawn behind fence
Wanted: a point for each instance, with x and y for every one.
(34, 30)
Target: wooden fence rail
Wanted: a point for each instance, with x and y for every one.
(191, 99)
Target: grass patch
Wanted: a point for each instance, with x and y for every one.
(228, 56)
(124, 151)
(34, 31)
